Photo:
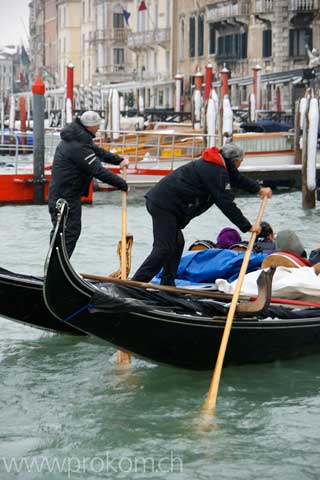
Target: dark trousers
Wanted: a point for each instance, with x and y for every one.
(73, 225)
(168, 243)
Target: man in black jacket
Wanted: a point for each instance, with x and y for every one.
(77, 161)
(186, 193)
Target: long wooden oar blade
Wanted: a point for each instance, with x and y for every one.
(213, 390)
(123, 358)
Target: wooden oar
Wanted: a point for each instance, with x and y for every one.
(186, 291)
(213, 390)
(162, 288)
(123, 358)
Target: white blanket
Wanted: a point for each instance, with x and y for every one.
(295, 283)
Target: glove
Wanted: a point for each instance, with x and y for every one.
(124, 163)
(125, 187)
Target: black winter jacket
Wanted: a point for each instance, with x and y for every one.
(193, 188)
(76, 162)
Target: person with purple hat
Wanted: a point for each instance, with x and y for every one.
(188, 192)
(227, 237)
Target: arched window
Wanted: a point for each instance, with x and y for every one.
(267, 43)
(156, 14)
(168, 14)
(192, 36)
(200, 35)
(181, 38)
(212, 39)
(118, 18)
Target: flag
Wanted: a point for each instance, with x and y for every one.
(25, 61)
(142, 6)
(126, 15)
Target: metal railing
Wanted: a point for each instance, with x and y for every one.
(164, 148)
(154, 149)
(16, 149)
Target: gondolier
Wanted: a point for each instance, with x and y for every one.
(77, 161)
(185, 194)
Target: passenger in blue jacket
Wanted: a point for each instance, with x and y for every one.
(77, 161)
(186, 193)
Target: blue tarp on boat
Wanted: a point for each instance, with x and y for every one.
(205, 266)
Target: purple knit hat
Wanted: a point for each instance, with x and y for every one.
(227, 237)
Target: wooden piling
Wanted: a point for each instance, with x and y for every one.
(38, 90)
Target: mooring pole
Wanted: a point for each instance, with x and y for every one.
(257, 85)
(69, 93)
(297, 134)
(208, 81)
(224, 90)
(309, 200)
(38, 90)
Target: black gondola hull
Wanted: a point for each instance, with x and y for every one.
(184, 339)
(21, 299)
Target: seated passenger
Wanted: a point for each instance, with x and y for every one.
(226, 238)
(314, 256)
(265, 240)
(202, 245)
(289, 241)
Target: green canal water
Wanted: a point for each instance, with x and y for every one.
(67, 411)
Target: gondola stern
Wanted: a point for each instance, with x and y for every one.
(63, 289)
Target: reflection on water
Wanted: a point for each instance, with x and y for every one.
(64, 398)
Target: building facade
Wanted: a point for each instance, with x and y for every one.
(50, 64)
(240, 34)
(113, 58)
(151, 40)
(87, 47)
(37, 40)
(69, 27)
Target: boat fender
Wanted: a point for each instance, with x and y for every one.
(227, 116)
(303, 108)
(313, 117)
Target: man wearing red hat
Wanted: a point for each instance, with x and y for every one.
(185, 194)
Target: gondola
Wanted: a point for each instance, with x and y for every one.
(170, 328)
(21, 299)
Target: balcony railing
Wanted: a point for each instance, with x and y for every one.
(162, 36)
(264, 6)
(141, 40)
(119, 35)
(222, 12)
(227, 57)
(151, 75)
(148, 38)
(304, 5)
(120, 68)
